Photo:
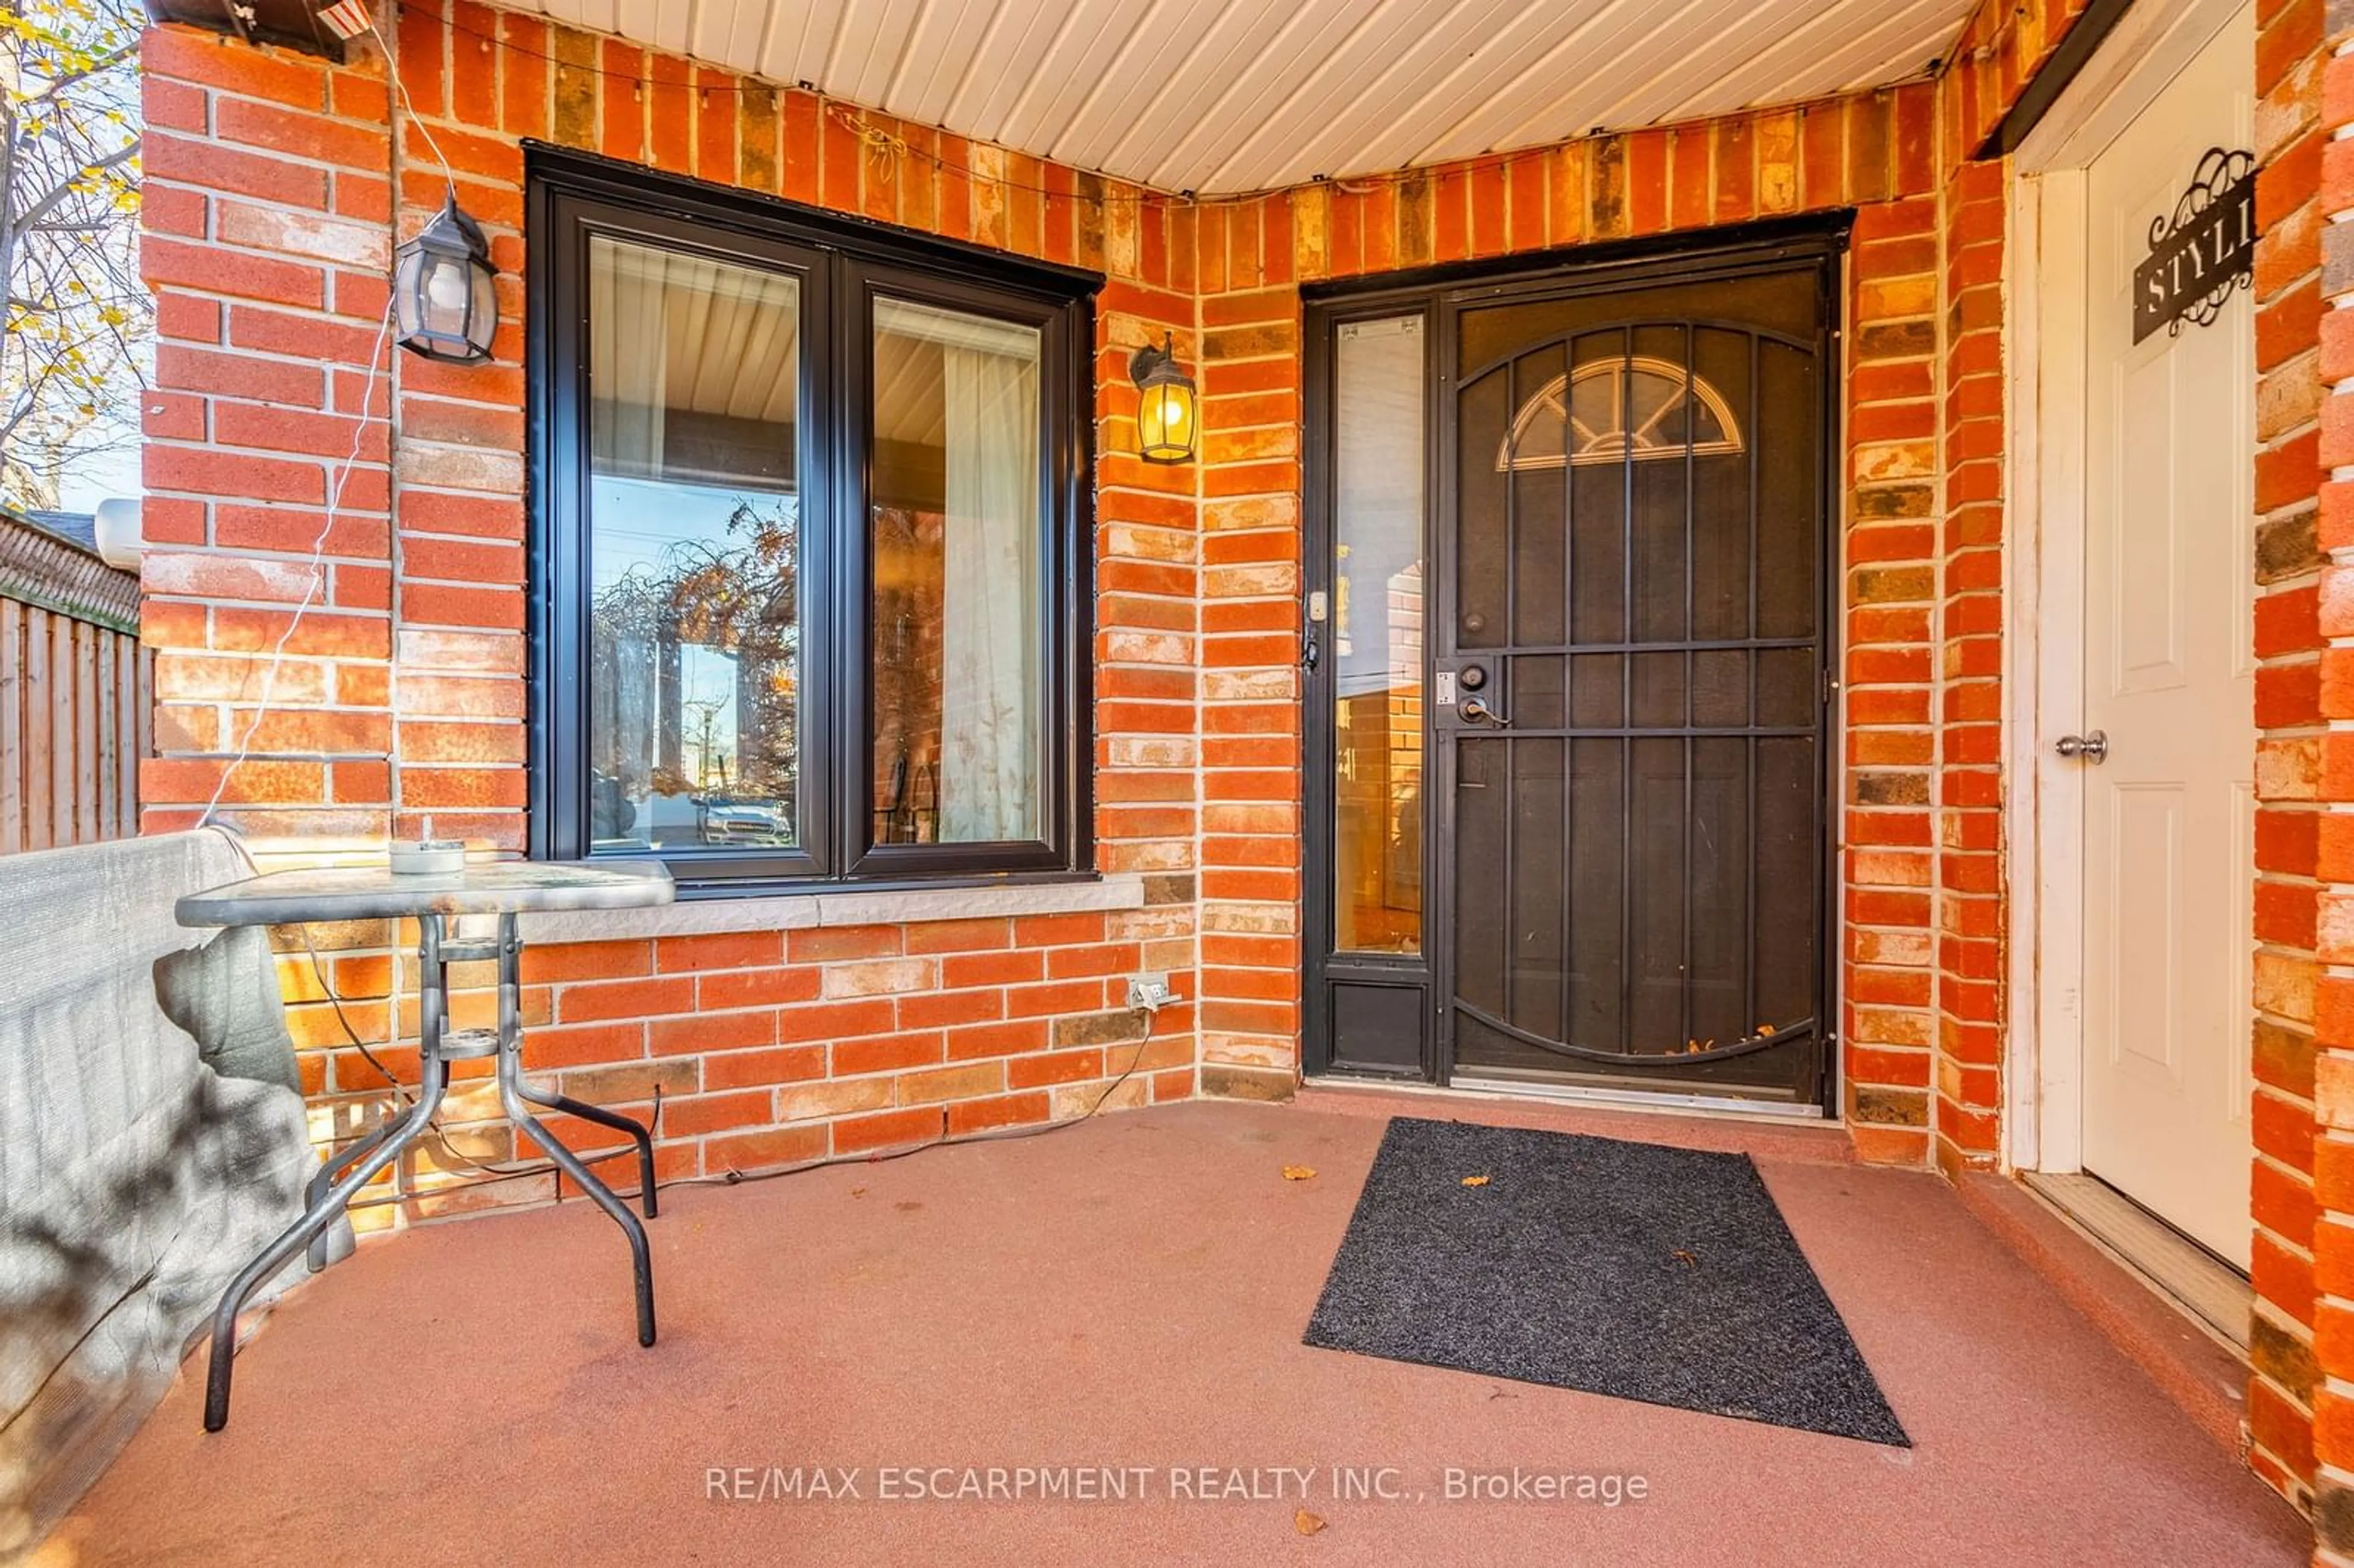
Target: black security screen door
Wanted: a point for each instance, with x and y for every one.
(1629, 687)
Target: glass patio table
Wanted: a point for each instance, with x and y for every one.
(501, 888)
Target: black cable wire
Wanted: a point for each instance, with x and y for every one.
(495, 1174)
(733, 1178)
(497, 1171)
(493, 1168)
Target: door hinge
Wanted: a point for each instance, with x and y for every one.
(1830, 688)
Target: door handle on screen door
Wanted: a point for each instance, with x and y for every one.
(1477, 711)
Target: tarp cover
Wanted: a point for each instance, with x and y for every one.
(152, 1141)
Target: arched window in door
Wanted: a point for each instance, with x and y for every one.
(1608, 409)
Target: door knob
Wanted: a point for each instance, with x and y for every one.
(1477, 711)
(2092, 748)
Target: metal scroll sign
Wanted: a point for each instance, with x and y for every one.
(2201, 251)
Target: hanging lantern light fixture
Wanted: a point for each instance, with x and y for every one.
(446, 304)
(1168, 422)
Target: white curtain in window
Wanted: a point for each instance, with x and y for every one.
(989, 690)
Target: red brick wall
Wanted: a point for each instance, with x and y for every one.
(286, 166)
(269, 224)
(2000, 50)
(2301, 1426)
(1250, 482)
(283, 169)
(1970, 912)
(1887, 971)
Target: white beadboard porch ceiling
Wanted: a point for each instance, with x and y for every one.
(1241, 95)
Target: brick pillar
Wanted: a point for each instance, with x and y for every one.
(2304, 1046)
(1969, 898)
(457, 478)
(1888, 862)
(1148, 645)
(265, 237)
(1250, 480)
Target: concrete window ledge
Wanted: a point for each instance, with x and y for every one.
(799, 911)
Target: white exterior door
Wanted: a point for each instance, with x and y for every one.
(2169, 816)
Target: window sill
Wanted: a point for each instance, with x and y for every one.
(846, 906)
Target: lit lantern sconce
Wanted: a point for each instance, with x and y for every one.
(446, 302)
(1167, 419)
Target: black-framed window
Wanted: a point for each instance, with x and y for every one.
(811, 575)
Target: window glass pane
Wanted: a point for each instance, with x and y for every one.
(693, 551)
(956, 590)
(1377, 621)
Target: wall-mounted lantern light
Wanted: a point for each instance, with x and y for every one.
(446, 304)
(1167, 421)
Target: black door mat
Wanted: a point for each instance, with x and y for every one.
(1662, 1275)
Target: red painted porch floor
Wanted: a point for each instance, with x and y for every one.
(1129, 1293)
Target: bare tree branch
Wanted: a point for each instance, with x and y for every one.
(46, 204)
(121, 55)
(78, 316)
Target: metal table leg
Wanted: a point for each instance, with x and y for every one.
(546, 1100)
(299, 1235)
(641, 1260)
(314, 1192)
(325, 1194)
(511, 1037)
(517, 1099)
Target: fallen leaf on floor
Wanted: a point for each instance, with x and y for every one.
(1765, 1031)
(1299, 1172)
(1475, 1180)
(1689, 1259)
(1307, 1523)
(858, 1192)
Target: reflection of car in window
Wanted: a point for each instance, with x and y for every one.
(722, 820)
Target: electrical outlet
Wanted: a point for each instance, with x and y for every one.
(1149, 993)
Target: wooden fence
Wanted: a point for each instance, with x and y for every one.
(76, 695)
